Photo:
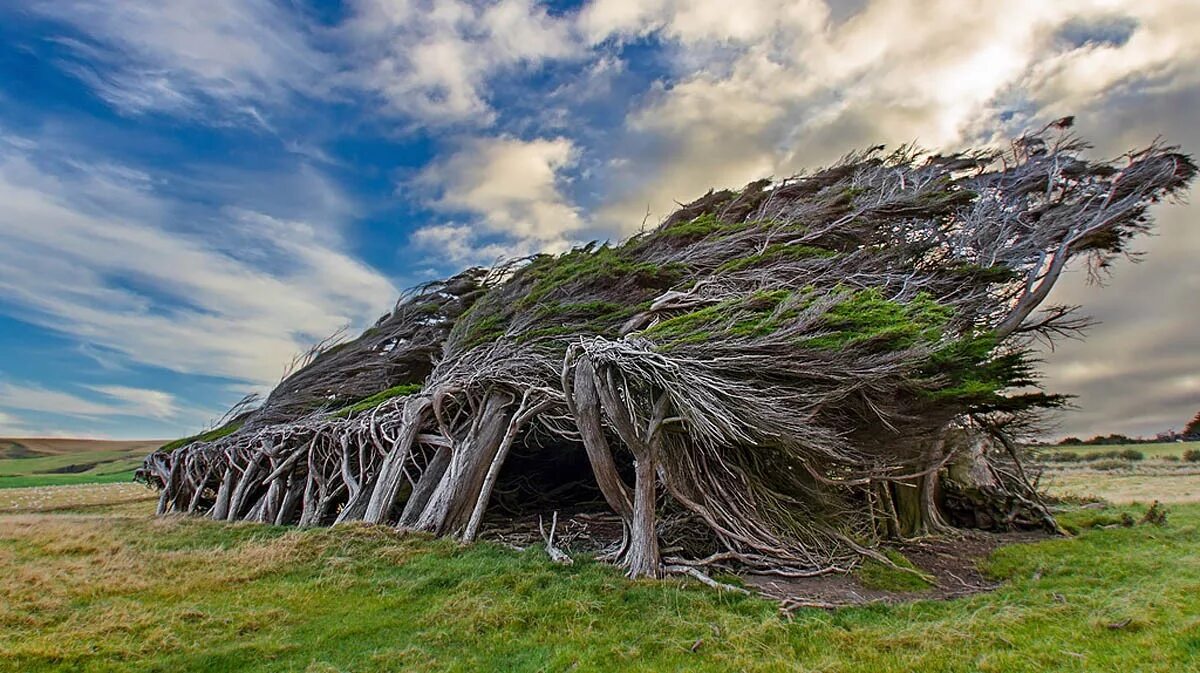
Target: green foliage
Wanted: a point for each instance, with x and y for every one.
(703, 226)
(600, 266)
(591, 270)
(774, 253)
(904, 576)
(378, 398)
(757, 315)
(866, 317)
(1192, 455)
(210, 436)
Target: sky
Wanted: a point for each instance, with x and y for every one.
(193, 192)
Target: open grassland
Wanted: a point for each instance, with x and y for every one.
(1140, 484)
(127, 497)
(45, 462)
(92, 589)
(1155, 450)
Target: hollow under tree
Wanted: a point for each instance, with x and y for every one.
(799, 369)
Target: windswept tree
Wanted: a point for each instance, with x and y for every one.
(776, 378)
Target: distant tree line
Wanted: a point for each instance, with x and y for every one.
(1191, 433)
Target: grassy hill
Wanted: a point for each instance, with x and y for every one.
(50, 461)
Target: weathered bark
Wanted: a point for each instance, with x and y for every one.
(642, 557)
(425, 486)
(391, 472)
(243, 487)
(519, 419)
(291, 499)
(220, 510)
(451, 502)
(586, 408)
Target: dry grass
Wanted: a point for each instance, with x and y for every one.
(1139, 484)
(121, 497)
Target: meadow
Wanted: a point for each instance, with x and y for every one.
(93, 582)
(47, 462)
(1151, 450)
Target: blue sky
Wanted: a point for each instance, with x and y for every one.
(193, 192)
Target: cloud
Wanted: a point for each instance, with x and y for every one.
(116, 401)
(11, 426)
(153, 403)
(512, 189)
(179, 56)
(781, 87)
(234, 294)
(433, 61)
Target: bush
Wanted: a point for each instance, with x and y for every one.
(1132, 454)
(1192, 455)
(1109, 464)
(1062, 457)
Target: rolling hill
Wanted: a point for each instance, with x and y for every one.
(51, 461)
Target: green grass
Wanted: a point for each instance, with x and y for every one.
(903, 576)
(1156, 450)
(26, 480)
(107, 593)
(102, 467)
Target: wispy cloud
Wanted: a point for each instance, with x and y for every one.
(236, 300)
(113, 401)
(180, 56)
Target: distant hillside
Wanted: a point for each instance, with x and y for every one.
(28, 447)
(50, 461)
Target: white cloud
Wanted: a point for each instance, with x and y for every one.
(11, 426)
(512, 188)
(434, 60)
(143, 402)
(237, 297)
(121, 401)
(177, 55)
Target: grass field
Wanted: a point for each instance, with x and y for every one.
(92, 582)
(44, 462)
(1156, 450)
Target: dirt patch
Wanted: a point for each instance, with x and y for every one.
(953, 562)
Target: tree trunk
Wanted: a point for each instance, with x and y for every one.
(220, 510)
(642, 557)
(391, 472)
(450, 504)
(586, 408)
(425, 486)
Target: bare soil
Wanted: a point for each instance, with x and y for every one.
(953, 562)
